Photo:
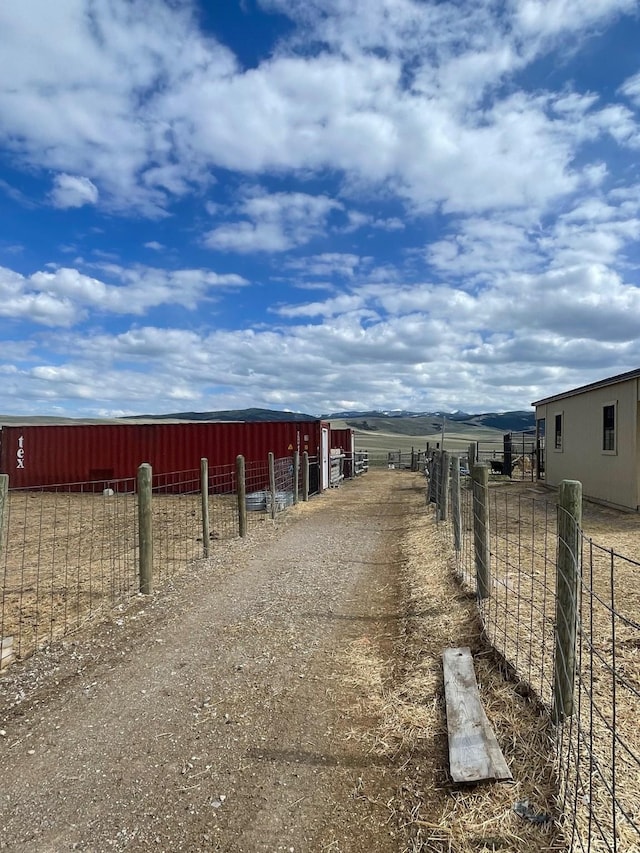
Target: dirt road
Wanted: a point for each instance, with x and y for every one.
(231, 711)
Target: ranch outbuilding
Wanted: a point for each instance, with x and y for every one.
(592, 434)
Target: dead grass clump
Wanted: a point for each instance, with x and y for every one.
(408, 706)
(480, 817)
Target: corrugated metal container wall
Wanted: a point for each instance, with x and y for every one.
(48, 455)
(343, 438)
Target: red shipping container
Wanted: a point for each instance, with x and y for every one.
(81, 453)
(343, 439)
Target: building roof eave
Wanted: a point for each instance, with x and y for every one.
(584, 389)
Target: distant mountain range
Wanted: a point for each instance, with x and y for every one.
(398, 420)
(395, 421)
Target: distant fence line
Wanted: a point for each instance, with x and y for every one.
(514, 456)
(413, 460)
(73, 551)
(564, 614)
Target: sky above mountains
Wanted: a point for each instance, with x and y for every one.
(316, 205)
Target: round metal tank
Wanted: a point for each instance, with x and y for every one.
(257, 501)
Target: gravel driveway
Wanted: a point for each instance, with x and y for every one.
(226, 712)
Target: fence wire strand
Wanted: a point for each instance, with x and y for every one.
(597, 740)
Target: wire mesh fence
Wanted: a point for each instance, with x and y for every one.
(68, 553)
(71, 552)
(529, 591)
(176, 520)
(223, 502)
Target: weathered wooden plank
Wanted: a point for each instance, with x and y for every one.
(474, 754)
(6, 651)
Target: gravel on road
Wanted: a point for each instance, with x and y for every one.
(226, 712)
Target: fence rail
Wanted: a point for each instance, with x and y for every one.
(73, 551)
(564, 613)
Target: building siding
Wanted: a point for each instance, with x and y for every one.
(611, 477)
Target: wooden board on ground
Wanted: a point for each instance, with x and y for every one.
(474, 754)
(6, 651)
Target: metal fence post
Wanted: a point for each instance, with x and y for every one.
(272, 482)
(444, 485)
(242, 496)
(480, 474)
(296, 474)
(204, 494)
(145, 528)
(455, 503)
(568, 571)
(305, 476)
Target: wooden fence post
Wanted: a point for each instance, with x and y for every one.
(272, 482)
(444, 485)
(434, 475)
(296, 475)
(305, 476)
(455, 503)
(145, 528)
(568, 572)
(472, 455)
(4, 492)
(204, 495)
(241, 489)
(438, 482)
(480, 475)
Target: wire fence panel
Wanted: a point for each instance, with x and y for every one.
(177, 522)
(223, 502)
(257, 488)
(599, 746)
(519, 614)
(69, 552)
(597, 742)
(284, 484)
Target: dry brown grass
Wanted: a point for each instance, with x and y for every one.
(68, 557)
(437, 815)
(519, 618)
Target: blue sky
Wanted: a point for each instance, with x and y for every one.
(316, 205)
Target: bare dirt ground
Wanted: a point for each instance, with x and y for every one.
(284, 695)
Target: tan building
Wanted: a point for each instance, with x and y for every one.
(592, 434)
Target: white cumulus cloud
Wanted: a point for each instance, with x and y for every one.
(72, 191)
(273, 222)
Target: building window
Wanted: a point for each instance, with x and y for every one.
(609, 428)
(558, 432)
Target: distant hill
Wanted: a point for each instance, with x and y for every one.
(395, 413)
(508, 421)
(399, 421)
(428, 423)
(246, 415)
(396, 421)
